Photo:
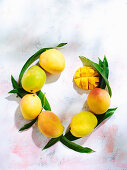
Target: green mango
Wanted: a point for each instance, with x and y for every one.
(33, 79)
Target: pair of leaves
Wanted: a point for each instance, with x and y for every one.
(70, 137)
(100, 70)
(69, 144)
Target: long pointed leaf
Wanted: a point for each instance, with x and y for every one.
(104, 116)
(75, 146)
(46, 105)
(14, 83)
(61, 45)
(28, 125)
(51, 142)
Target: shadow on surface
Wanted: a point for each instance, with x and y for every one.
(79, 90)
(19, 120)
(50, 78)
(13, 97)
(38, 138)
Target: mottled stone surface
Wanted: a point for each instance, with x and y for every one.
(91, 28)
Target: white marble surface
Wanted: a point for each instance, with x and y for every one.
(91, 28)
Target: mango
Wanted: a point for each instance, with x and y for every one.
(86, 78)
(30, 106)
(33, 79)
(83, 123)
(49, 124)
(52, 61)
(98, 101)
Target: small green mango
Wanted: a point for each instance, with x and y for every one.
(33, 79)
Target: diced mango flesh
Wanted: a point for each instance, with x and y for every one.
(86, 78)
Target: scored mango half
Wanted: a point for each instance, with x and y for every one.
(86, 78)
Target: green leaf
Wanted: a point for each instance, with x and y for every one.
(44, 100)
(104, 66)
(13, 91)
(28, 125)
(88, 62)
(30, 61)
(14, 83)
(104, 116)
(70, 137)
(51, 142)
(75, 146)
(61, 44)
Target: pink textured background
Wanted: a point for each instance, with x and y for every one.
(91, 28)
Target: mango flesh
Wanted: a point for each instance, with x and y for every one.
(86, 78)
(98, 101)
(83, 124)
(33, 79)
(49, 124)
(52, 61)
(30, 106)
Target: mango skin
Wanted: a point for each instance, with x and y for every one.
(52, 61)
(30, 106)
(33, 79)
(50, 125)
(83, 123)
(98, 101)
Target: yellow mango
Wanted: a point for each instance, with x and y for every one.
(83, 124)
(30, 106)
(52, 61)
(86, 78)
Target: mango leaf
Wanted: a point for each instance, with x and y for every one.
(13, 91)
(28, 125)
(104, 116)
(70, 137)
(44, 100)
(88, 62)
(104, 66)
(75, 146)
(61, 45)
(51, 142)
(14, 83)
(34, 58)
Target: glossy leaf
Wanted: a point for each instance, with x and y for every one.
(44, 99)
(61, 44)
(14, 83)
(28, 125)
(13, 91)
(104, 116)
(104, 66)
(51, 142)
(75, 146)
(88, 62)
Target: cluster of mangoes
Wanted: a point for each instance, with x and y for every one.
(49, 124)
(32, 81)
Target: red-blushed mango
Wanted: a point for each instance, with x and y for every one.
(52, 61)
(83, 123)
(49, 124)
(98, 101)
(30, 106)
